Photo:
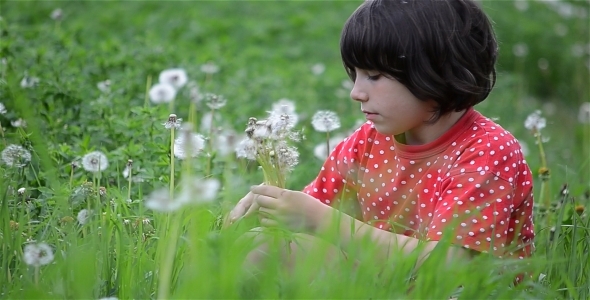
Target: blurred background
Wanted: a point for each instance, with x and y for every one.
(265, 51)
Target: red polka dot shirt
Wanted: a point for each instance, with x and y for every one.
(471, 185)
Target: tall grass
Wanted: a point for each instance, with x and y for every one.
(127, 251)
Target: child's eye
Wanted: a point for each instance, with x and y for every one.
(374, 77)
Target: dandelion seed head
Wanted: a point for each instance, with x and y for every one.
(84, 216)
(215, 101)
(162, 93)
(38, 254)
(21, 191)
(225, 142)
(175, 77)
(104, 86)
(188, 144)
(521, 5)
(16, 156)
(2, 108)
(247, 148)
(95, 161)
(159, 200)
(318, 69)
(284, 106)
(57, 14)
(194, 92)
(29, 82)
(325, 121)
(535, 122)
(520, 50)
(280, 126)
(19, 123)
(209, 68)
(584, 113)
(173, 122)
(287, 157)
(198, 191)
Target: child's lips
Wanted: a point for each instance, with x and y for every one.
(370, 115)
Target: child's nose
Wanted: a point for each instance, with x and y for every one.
(358, 95)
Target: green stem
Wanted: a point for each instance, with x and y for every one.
(148, 83)
(165, 276)
(172, 163)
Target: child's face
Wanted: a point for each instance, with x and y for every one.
(391, 107)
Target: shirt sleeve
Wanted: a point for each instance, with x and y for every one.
(336, 182)
(476, 209)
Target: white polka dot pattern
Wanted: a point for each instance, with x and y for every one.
(472, 184)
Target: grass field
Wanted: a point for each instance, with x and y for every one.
(105, 241)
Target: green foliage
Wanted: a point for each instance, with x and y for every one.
(265, 51)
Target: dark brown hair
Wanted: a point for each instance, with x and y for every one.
(444, 50)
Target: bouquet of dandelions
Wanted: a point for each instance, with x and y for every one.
(267, 142)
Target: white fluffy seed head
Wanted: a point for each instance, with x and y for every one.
(175, 77)
(95, 161)
(325, 121)
(198, 190)
(38, 254)
(535, 122)
(16, 156)
(159, 200)
(247, 148)
(162, 93)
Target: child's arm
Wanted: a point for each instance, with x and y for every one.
(301, 212)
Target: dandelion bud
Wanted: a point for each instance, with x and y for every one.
(66, 219)
(544, 173)
(21, 191)
(13, 225)
(579, 209)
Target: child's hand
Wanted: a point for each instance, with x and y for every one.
(243, 208)
(295, 210)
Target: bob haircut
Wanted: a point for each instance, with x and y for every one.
(441, 50)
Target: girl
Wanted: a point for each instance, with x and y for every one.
(426, 164)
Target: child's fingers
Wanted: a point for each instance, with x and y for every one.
(241, 207)
(253, 208)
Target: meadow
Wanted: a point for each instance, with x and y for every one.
(98, 201)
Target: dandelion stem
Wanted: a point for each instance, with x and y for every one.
(167, 266)
(72, 177)
(36, 275)
(3, 138)
(545, 199)
(172, 163)
(327, 143)
(129, 187)
(148, 83)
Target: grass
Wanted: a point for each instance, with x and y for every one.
(265, 52)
